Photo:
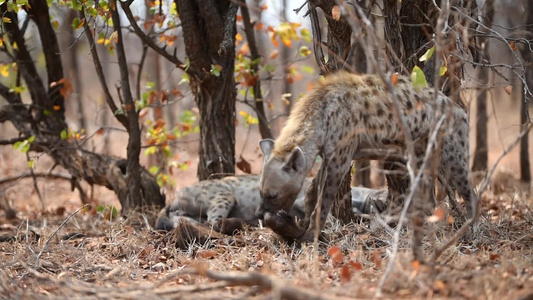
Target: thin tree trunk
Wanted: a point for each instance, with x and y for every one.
(481, 152)
(527, 56)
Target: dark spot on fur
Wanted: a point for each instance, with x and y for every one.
(460, 133)
(380, 112)
(366, 104)
(408, 105)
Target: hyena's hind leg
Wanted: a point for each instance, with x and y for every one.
(221, 206)
(454, 163)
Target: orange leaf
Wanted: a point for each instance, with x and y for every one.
(274, 54)
(57, 107)
(345, 274)
(290, 79)
(259, 26)
(356, 265)
(336, 13)
(513, 45)
(264, 7)
(100, 131)
(171, 137)
(437, 216)
(394, 79)
(508, 89)
(238, 37)
(494, 256)
(206, 254)
(336, 254)
(239, 18)
(450, 219)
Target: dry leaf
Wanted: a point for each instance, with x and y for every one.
(376, 258)
(494, 256)
(513, 45)
(356, 265)
(345, 274)
(336, 13)
(274, 54)
(244, 165)
(437, 216)
(394, 79)
(336, 254)
(508, 89)
(206, 254)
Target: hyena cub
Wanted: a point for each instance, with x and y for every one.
(342, 115)
(238, 197)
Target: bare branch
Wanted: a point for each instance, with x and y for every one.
(148, 41)
(258, 97)
(100, 73)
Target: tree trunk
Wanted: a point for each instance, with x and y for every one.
(481, 152)
(338, 49)
(527, 56)
(209, 35)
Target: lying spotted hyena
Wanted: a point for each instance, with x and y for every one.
(238, 197)
(342, 115)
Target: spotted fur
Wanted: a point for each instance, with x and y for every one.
(238, 197)
(346, 113)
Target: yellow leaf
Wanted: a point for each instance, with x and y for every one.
(4, 70)
(238, 37)
(6, 20)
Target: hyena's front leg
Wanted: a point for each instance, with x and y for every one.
(311, 198)
(331, 182)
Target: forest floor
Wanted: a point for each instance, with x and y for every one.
(90, 254)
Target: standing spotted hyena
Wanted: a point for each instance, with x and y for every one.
(343, 114)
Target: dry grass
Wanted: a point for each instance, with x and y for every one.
(126, 259)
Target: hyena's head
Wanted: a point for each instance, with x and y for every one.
(281, 180)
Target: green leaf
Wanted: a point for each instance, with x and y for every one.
(31, 163)
(442, 70)
(75, 23)
(153, 170)
(31, 139)
(307, 69)
(185, 78)
(16, 145)
(306, 35)
(100, 208)
(150, 85)
(150, 150)
(418, 79)
(25, 147)
(215, 70)
(304, 51)
(427, 55)
(64, 134)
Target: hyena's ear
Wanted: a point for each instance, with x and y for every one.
(266, 147)
(296, 161)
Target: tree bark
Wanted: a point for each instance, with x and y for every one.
(209, 35)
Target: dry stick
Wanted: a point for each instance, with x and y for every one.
(429, 148)
(484, 185)
(55, 233)
(35, 186)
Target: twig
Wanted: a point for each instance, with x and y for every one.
(429, 150)
(55, 233)
(35, 186)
